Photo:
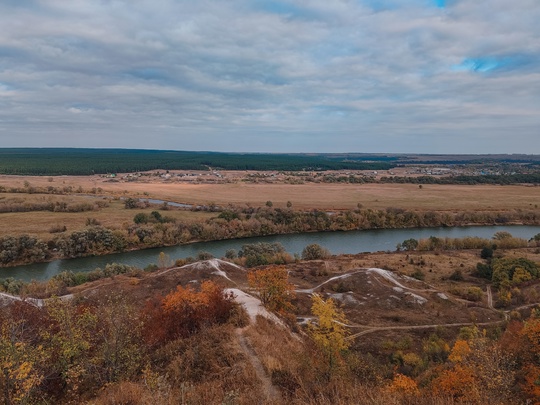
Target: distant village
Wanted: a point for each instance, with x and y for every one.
(214, 175)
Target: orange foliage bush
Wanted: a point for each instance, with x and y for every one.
(404, 385)
(458, 382)
(184, 311)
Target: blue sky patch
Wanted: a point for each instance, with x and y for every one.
(283, 8)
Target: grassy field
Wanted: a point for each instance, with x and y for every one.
(303, 197)
(38, 223)
(347, 196)
(307, 196)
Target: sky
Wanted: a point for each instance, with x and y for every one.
(395, 76)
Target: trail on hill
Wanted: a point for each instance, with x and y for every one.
(271, 392)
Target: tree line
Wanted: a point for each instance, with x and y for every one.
(29, 161)
(155, 230)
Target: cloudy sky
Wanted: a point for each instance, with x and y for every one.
(428, 76)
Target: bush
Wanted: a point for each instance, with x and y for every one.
(315, 252)
(483, 271)
(92, 222)
(419, 275)
(259, 254)
(456, 276)
(140, 218)
(57, 228)
(131, 203)
(486, 253)
(409, 244)
(204, 256)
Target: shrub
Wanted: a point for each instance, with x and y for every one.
(92, 222)
(204, 255)
(140, 218)
(57, 228)
(131, 203)
(486, 253)
(456, 276)
(419, 275)
(315, 252)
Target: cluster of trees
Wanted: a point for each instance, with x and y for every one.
(501, 240)
(246, 222)
(504, 179)
(50, 189)
(22, 248)
(58, 206)
(68, 352)
(93, 239)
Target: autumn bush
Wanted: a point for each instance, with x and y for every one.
(273, 287)
(185, 311)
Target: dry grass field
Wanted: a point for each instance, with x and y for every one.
(38, 223)
(321, 196)
(307, 196)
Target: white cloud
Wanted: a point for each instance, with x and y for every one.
(275, 76)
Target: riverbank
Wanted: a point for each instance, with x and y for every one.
(336, 242)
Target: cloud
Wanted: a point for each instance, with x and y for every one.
(263, 75)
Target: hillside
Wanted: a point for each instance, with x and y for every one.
(199, 333)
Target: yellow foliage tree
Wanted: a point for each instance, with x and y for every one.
(330, 331)
(273, 287)
(70, 335)
(18, 372)
(460, 351)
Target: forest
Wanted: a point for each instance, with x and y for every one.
(50, 161)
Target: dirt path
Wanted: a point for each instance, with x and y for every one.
(371, 329)
(271, 392)
(489, 297)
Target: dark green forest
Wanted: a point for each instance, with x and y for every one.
(51, 161)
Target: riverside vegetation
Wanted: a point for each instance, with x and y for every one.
(154, 229)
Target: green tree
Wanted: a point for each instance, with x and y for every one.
(486, 253)
(140, 218)
(315, 252)
(409, 244)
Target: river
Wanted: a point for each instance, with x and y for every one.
(336, 242)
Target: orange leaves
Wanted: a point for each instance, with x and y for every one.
(458, 382)
(184, 311)
(184, 299)
(273, 287)
(459, 352)
(531, 332)
(404, 385)
(532, 382)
